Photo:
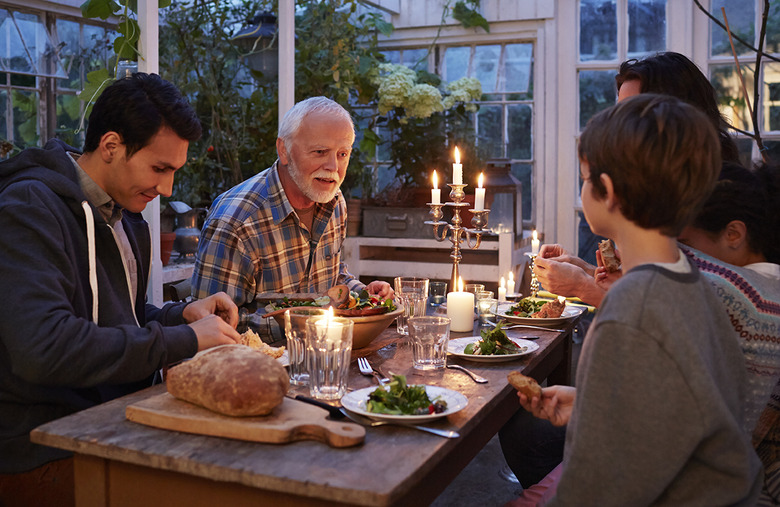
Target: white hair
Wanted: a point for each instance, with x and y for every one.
(292, 120)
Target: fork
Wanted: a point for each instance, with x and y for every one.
(368, 371)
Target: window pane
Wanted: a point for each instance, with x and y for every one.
(646, 27)
(14, 56)
(740, 14)
(416, 58)
(771, 96)
(95, 43)
(68, 34)
(456, 63)
(486, 66)
(68, 116)
(489, 131)
(525, 173)
(745, 147)
(517, 68)
(598, 30)
(392, 56)
(25, 112)
(39, 46)
(4, 114)
(519, 134)
(597, 92)
(773, 29)
(727, 86)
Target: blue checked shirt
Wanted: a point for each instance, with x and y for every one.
(253, 242)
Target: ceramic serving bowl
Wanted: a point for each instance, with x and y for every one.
(365, 328)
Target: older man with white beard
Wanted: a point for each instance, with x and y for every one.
(282, 229)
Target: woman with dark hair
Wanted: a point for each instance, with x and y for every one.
(671, 73)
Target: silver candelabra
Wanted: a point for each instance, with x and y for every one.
(454, 231)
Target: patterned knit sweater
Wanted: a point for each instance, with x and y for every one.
(752, 301)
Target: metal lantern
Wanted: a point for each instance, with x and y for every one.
(259, 40)
(503, 197)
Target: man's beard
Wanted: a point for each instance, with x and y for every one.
(306, 184)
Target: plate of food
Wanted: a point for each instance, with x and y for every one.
(538, 312)
(253, 341)
(398, 402)
(491, 347)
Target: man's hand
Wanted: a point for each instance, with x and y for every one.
(561, 278)
(558, 253)
(218, 304)
(555, 405)
(211, 331)
(380, 289)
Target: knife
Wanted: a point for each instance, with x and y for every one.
(341, 413)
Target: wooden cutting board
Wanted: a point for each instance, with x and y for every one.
(291, 421)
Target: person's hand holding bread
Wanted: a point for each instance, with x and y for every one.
(552, 403)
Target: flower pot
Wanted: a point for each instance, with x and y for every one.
(166, 246)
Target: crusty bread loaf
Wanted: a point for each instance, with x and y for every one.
(608, 257)
(231, 379)
(525, 385)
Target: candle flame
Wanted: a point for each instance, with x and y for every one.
(330, 314)
(460, 284)
(481, 179)
(457, 156)
(535, 236)
(435, 180)
(561, 299)
(511, 277)
(503, 282)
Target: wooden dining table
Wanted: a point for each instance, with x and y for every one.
(122, 463)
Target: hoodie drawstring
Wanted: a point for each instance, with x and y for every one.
(93, 283)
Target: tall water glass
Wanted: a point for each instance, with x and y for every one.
(328, 350)
(295, 331)
(429, 337)
(412, 293)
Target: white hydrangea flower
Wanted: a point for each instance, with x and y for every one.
(424, 100)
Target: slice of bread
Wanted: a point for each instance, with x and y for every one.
(525, 385)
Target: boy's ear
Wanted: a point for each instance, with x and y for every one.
(735, 234)
(609, 191)
(109, 146)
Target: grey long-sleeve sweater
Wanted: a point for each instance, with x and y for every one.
(658, 413)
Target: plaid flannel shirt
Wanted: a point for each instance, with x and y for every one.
(253, 242)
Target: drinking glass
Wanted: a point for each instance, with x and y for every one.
(438, 293)
(476, 288)
(328, 350)
(429, 337)
(412, 293)
(487, 310)
(295, 331)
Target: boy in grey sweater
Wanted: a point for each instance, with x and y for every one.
(656, 416)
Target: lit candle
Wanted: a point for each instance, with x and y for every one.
(457, 169)
(328, 329)
(502, 290)
(535, 244)
(460, 309)
(510, 284)
(435, 191)
(479, 195)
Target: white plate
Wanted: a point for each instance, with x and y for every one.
(456, 347)
(285, 359)
(568, 313)
(355, 401)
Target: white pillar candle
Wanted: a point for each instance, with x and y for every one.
(331, 330)
(510, 284)
(502, 290)
(457, 169)
(435, 191)
(479, 195)
(460, 310)
(535, 244)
